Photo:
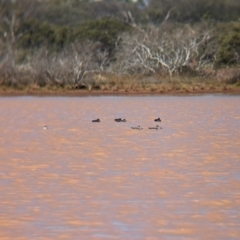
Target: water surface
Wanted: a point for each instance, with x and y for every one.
(84, 180)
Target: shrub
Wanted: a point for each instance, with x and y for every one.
(36, 34)
(104, 30)
(229, 45)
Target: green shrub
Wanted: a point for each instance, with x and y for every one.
(104, 30)
(37, 34)
(229, 45)
(193, 11)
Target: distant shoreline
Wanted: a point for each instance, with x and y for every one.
(82, 93)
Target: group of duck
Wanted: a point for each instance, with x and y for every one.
(157, 127)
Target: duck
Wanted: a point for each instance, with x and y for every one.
(120, 120)
(96, 120)
(45, 127)
(155, 128)
(157, 120)
(137, 128)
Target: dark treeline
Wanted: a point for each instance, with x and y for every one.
(122, 37)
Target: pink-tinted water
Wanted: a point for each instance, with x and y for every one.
(84, 180)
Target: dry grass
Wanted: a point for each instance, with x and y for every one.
(20, 81)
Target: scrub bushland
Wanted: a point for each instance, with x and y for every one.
(120, 45)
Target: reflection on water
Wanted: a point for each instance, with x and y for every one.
(84, 180)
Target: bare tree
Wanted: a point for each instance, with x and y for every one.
(13, 13)
(74, 66)
(169, 48)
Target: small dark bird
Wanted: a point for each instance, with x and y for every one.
(155, 128)
(137, 128)
(157, 120)
(96, 120)
(120, 120)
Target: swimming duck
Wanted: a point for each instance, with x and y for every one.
(96, 120)
(155, 128)
(137, 128)
(157, 120)
(45, 127)
(120, 120)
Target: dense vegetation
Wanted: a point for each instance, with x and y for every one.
(113, 44)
